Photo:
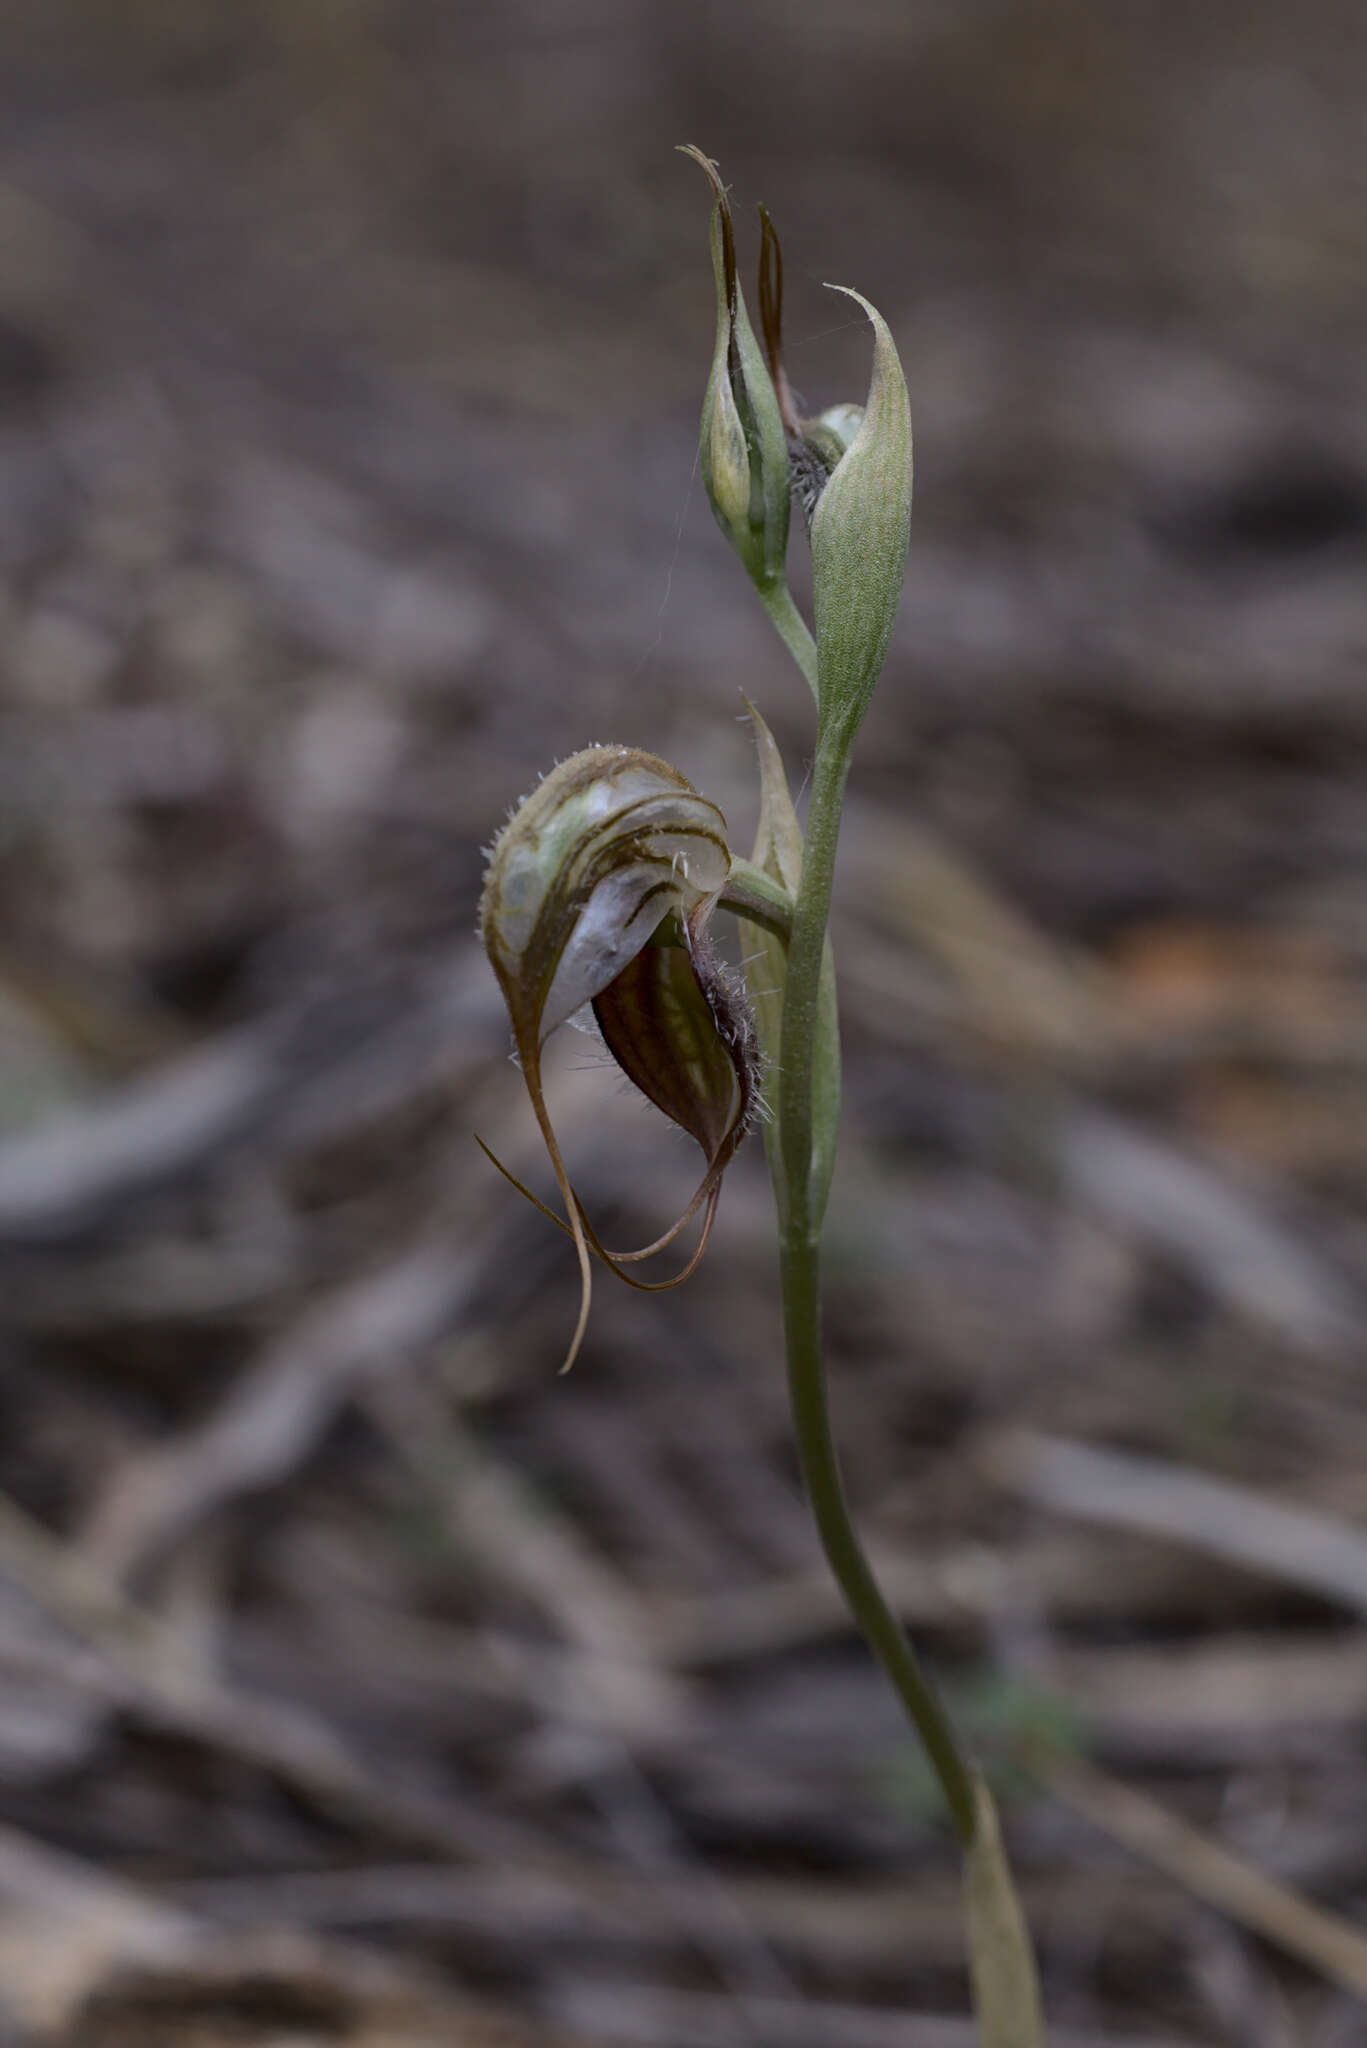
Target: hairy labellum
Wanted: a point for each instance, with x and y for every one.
(679, 1029)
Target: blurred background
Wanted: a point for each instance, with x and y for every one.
(360, 1681)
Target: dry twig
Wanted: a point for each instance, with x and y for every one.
(1293, 1545)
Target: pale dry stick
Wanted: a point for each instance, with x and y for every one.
(152, 1673)
(1020, 989)
(66, 1928)
(526, 1545)
(59, 1180)
(545, 1557)
(1239, 1987)
(266, 1425)
(1333, 1946)
(846, 1927)
(1213, 1218)
(515, 1873)
(1219, 1697)
(71, 1933)
(302, 1075)
(1153, 1497)
(1017, 989)
(490, 1664)
(1021, 994)
(1234, 1523)
(157, 1280)
(70, 1588)
(957, 1585)
(273, 1417)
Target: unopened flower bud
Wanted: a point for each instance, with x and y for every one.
(743, 448)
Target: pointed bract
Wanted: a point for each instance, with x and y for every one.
(860, 531)
(778, 853)
(1006, 1994)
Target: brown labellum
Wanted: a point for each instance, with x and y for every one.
(680, 1031)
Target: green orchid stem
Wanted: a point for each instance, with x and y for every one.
(800, 1270)
(791, 627)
